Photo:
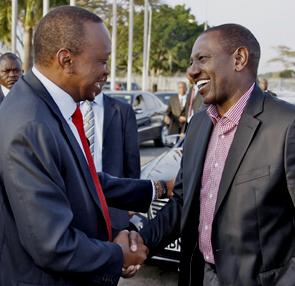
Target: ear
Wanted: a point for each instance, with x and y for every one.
(241, 58)
(65, 60)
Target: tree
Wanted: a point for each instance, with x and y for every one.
(174, 31)
(286, 57)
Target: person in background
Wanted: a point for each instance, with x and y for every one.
(263, 83)
(111, 128)
(10, 71)
(176, 115)
(194, 100)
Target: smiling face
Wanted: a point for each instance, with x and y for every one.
(212, 69)
(89, 69)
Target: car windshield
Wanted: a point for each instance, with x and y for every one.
(128, 98)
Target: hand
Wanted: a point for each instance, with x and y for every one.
(170, 186)
(182, 119)
(134, 252)
(167, 120)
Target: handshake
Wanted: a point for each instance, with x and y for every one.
(134, 252)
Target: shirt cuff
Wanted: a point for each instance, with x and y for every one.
(154, 190)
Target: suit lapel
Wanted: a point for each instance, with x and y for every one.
(244, 135)
(197, 143)
(109, 112)
(42, 93)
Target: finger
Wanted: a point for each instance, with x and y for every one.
(129, 272)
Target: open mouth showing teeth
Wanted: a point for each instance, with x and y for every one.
(202, 83)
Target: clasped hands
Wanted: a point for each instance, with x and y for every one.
(134, 252)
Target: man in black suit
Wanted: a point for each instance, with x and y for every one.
(234, 197)
(54, 222)
(176, 112)
(10, 71)
(111, 128)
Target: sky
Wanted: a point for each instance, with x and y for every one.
(271, 21)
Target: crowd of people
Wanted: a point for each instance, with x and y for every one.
(233, 202)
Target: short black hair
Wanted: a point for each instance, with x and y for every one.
(234, 36)
(10, 56)
(62, 27)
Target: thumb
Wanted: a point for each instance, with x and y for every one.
(133, 241)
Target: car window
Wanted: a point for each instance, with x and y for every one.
(139, 102)
(149, 101)
(127, 98)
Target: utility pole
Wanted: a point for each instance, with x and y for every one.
(145, 40)
(149, 41)
(130, 46)
(45, 7)
(14, 8)
(114, 45)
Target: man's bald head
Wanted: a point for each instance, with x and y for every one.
(62, 27)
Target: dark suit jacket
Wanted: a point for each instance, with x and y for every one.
(197, 102)
(120, 154)
(52, 230)
(253, 232)
(1, 95)
(174, 111)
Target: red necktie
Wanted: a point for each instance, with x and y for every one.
(78, 121)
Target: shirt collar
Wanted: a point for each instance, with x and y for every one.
(5, 90)
(99, 99)
(63, 100)
(235, 112)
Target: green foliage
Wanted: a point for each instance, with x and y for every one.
(174, 31)
(287, 73)
(286, 56)
(5, 22)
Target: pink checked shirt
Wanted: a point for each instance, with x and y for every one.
(221, 139)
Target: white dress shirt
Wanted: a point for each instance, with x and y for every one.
(182, 100)
(4, 90)
(63, 100)
(67, 107)
(98, 112)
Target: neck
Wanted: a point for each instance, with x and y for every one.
(234, 97)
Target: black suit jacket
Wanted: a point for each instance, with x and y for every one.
(120, 153)
(253, 232)
(52, 231)
(174, 111)
(1, 95)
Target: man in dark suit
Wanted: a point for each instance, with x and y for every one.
(111, 128)
(234, 196)
(54, 222)
(10, 71)
(176, 112)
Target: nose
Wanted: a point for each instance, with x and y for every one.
(13, 73)
(193, 72)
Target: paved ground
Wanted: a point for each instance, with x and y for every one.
(154, 273)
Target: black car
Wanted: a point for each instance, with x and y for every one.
(149, 112)
(164, 96)
(165, 167)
